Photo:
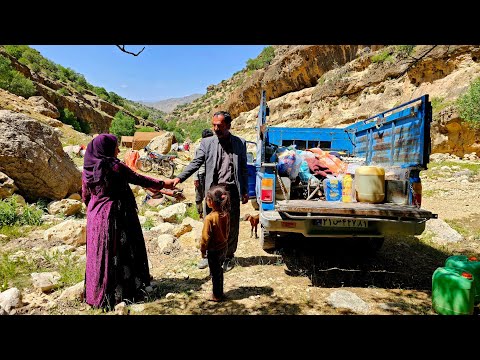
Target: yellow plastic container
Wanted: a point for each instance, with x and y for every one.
(347, 184)
(370, 184)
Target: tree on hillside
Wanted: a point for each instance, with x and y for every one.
(13, 81)
(122, 125)
(469, 104)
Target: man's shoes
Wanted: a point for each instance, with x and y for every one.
(228, 264)
(203, 263)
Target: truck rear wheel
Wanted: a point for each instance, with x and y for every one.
(267, 242)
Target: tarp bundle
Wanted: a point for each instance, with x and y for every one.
(314, 161)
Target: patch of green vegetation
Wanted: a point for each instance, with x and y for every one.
(122, 125)
(16, 270)
(381, 57)
(262, 60)
(469, 104)
(146, 129)
(405, 49)
(70, 270)
(63, 91)
(148, 224)
(68, 117)
(13, 81)
(439, 103)
(192, 212)
(458, 226)
(145, 207)
(473, 167)
(14, 214)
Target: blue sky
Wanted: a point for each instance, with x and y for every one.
(159, 72)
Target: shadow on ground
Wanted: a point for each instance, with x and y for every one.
(186, 299)
(402, 262)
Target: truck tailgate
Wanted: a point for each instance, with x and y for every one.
(354, 210)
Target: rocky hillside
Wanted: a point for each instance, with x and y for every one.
(168, 105)
(323, 85)
(85, 104)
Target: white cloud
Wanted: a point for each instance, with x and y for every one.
(123, 86)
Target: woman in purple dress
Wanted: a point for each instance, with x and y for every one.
(117, 264)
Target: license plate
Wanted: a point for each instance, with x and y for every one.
(345, 223)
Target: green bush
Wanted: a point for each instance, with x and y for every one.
(141, 113)
(69, 118)
(100, 91)
(64, 92)
(15, 50)
(261, 60)
(195, 128)
(179, 136)
(11, 213)
(469, 104)
(13, 81)
(122, 125)
(405, 49)
(381, 57)
(116, 99)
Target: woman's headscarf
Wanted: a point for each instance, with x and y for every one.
(99, 156)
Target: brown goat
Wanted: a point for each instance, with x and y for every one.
(254, 219)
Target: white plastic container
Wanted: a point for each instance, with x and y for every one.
(370, 184)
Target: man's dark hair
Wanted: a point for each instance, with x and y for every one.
(226, 115)
(207, 133)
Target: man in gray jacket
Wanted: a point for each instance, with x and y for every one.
(199, 182)
(225, 158)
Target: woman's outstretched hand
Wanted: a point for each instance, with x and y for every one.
(169, 184)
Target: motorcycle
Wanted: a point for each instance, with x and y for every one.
(163, 164)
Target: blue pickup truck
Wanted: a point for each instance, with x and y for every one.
(397, 138)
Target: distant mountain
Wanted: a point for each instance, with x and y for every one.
(169, 104)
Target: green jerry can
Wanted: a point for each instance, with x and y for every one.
(453, 291)
(469, 264)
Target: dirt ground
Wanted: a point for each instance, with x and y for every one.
(300, 277)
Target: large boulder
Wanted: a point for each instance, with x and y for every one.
(162, 143)
(31, 154)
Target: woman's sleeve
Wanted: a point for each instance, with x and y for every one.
(85, 192)
(133, 177)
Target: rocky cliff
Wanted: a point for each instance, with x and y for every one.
(88, 107)
(332, 86)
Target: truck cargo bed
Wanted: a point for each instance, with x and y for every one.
(356, 209)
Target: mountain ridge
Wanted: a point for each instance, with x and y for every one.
(168, 105)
